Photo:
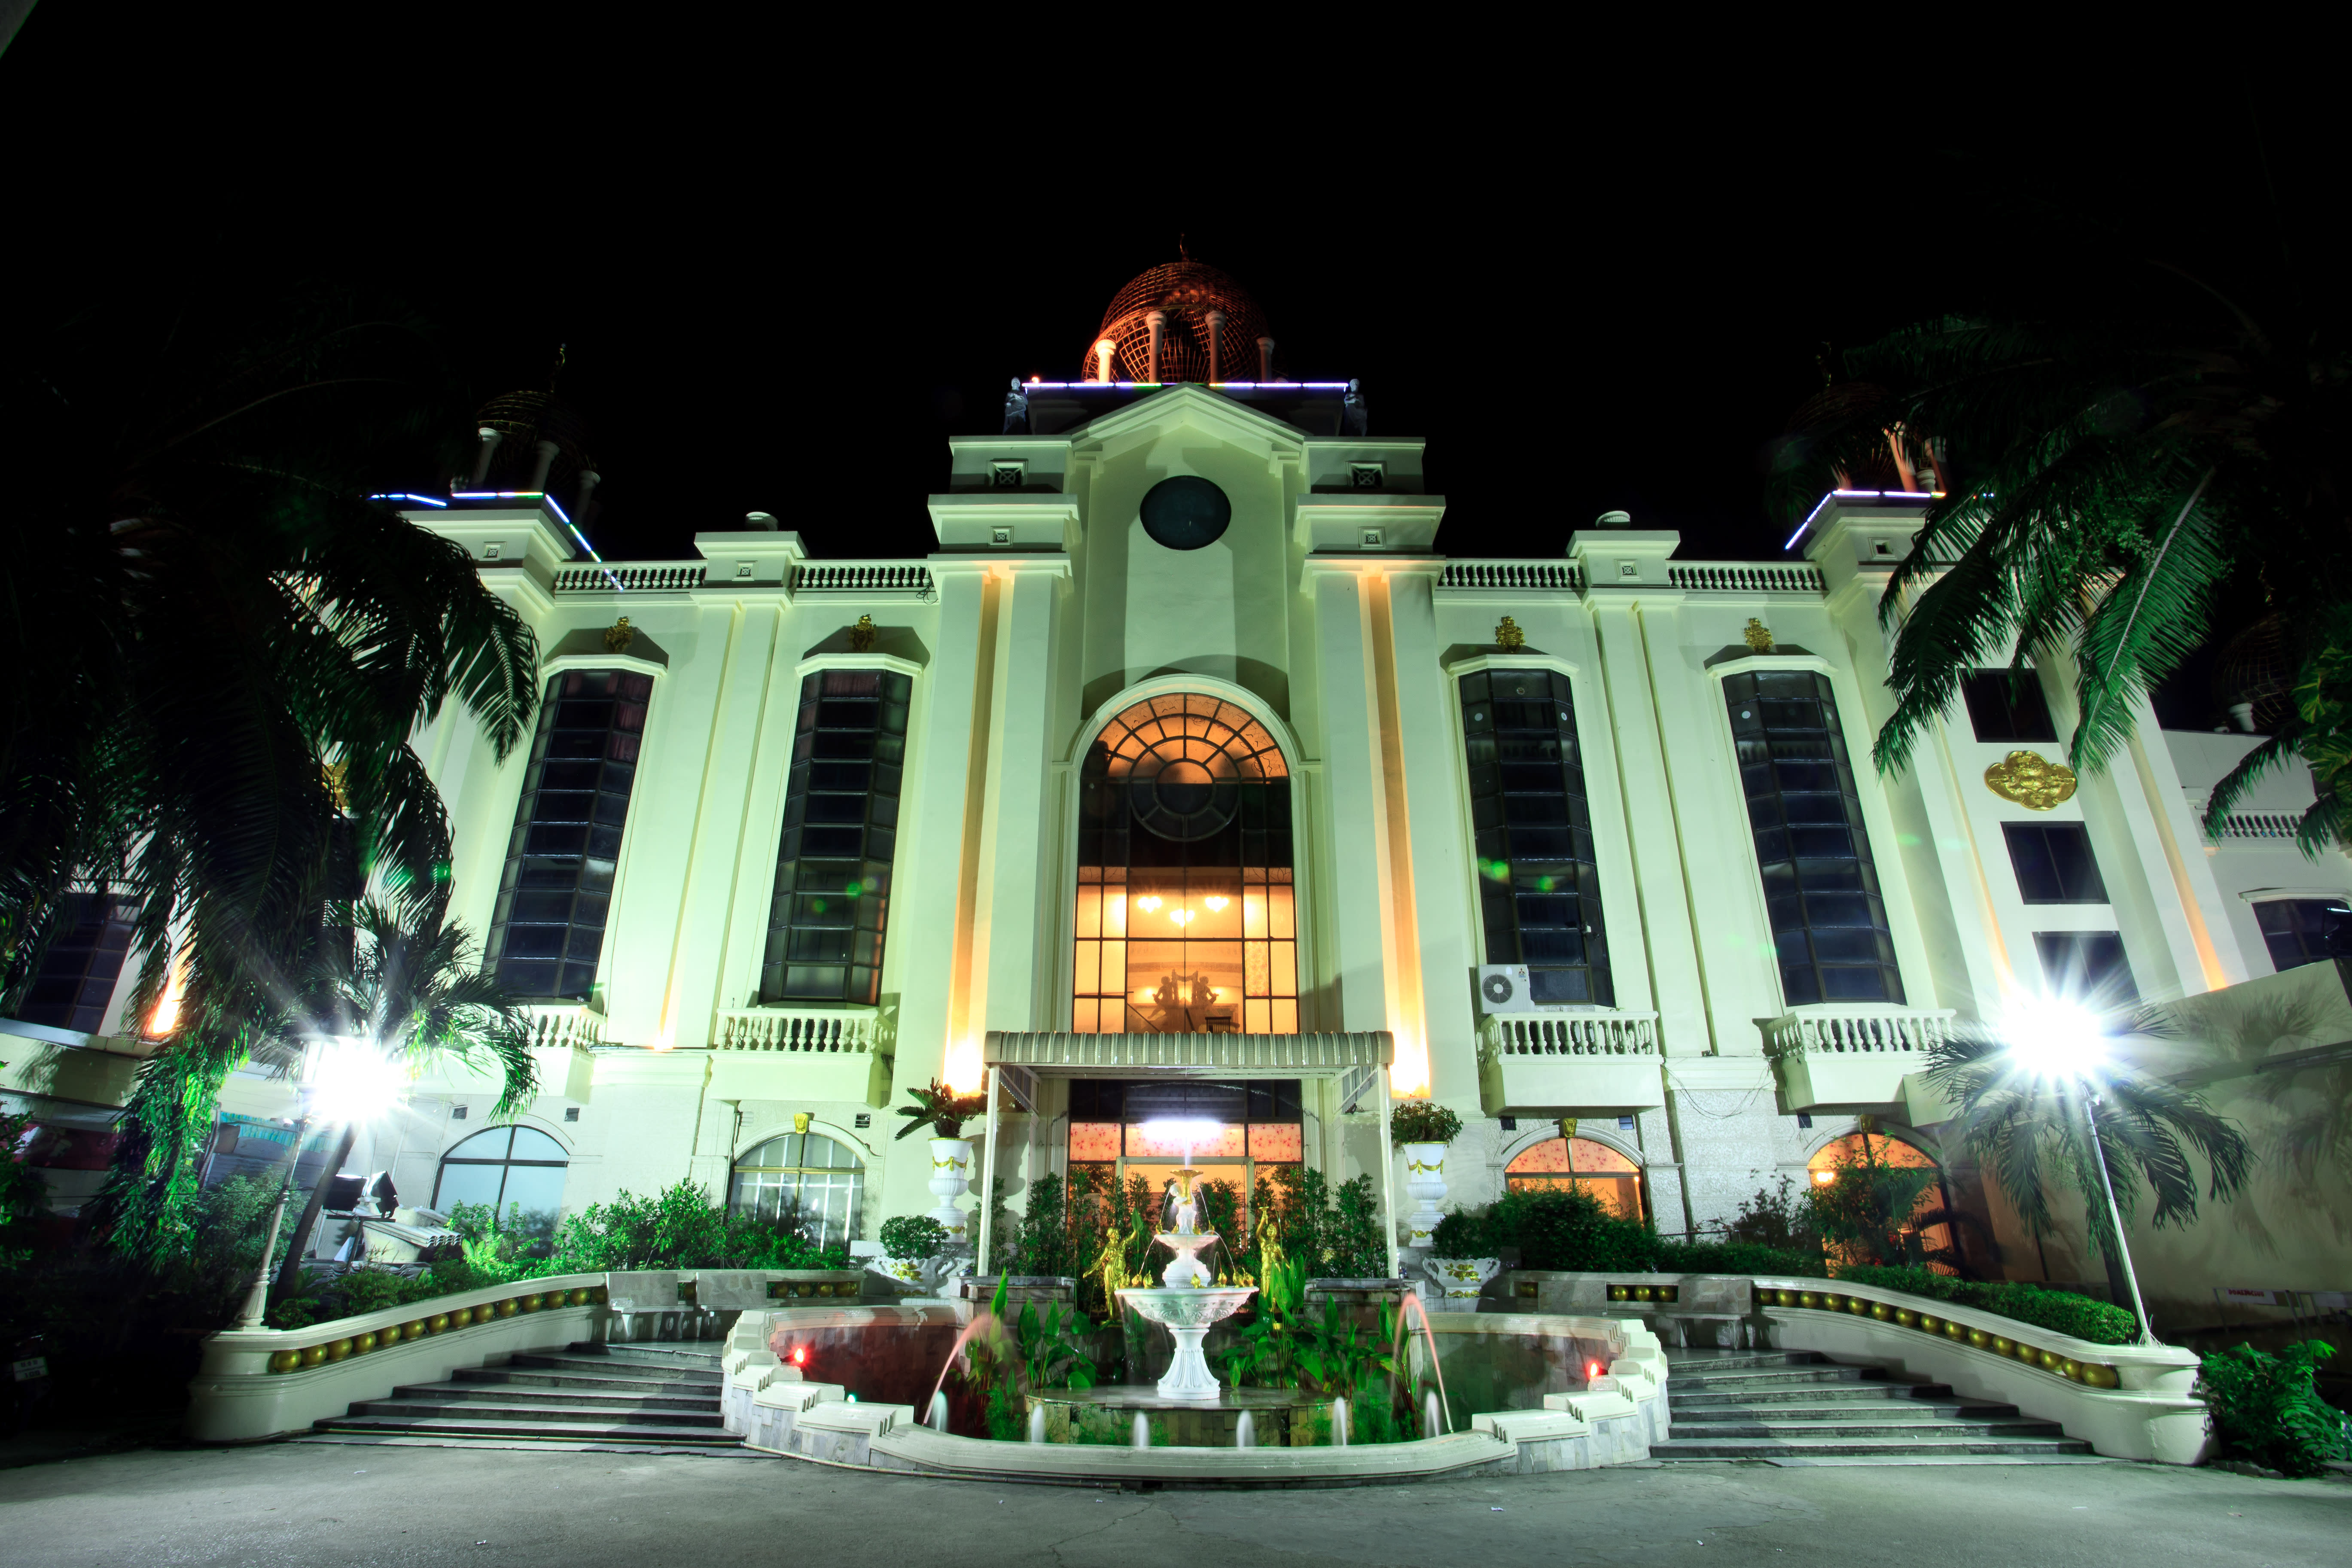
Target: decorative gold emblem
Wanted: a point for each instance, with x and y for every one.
(1568, 1126)
(2031, 781)
(619, 635)
(862, 635)
(800, 1121)
(1758, 636)
(335, 775)
(1509, 637)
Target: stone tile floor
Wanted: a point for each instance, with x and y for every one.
(330, 1505)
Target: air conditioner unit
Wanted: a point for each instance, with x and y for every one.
(1503, 989)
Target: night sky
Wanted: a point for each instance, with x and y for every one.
(782, 291)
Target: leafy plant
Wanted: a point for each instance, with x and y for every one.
(1461, 1233)
(1869, 1210)
(1672, 1256)
(1780, 1217)
(913, 1237)
(1423, 1121)
(1050, 1354)
(1338, 1357)
(941, 1109)
(2267, 1408)
(2060, 1311)
(1355, 1249)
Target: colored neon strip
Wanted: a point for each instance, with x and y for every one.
(1858, 495)
(404, 495)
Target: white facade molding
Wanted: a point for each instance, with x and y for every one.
(1063, 1054)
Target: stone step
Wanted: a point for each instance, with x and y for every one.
(569, 1398)
(543, 1361)
(1681, 1362)
(463, 1409)
(1904, 1446)
(1848, 1410)
(1792, 1377)
(587, 1381)
(1931, 1431)
(1803, 1393)
(560, 1427)
(702, 1354)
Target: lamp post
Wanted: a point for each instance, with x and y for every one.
(257, 1300)
(2062, 1040)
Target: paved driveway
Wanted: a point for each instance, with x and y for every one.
(323, 1506)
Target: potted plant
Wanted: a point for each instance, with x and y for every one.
(908, 1244)
(944, 1111)
(1456, 1263)
(1422, 1127)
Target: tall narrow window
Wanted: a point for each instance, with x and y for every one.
(2305, 930)
(841, 824)
(2054, 863)
(1185, 922)
(83, 962)
(2088, 966)
(1539, 894)
(2007, 706)
(1821, 886)
(549, 927)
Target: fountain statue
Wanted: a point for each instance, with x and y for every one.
(1188, 1302)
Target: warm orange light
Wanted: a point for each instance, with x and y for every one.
(1182, 917)
(1216, 900)
(166, 1015)
(1149, 902)
(1409, 1072)
(964, 1070)
(800, 1356)
(1823, 1178)
(1146, 996)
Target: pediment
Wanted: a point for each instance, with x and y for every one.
(1188, 407)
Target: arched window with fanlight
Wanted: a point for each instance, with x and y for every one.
(1186, 921)
(803, 1177)
(1603, 1171)
(508, 1168)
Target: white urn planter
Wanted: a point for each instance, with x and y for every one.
(1425, 1183)
(1459, 1279)
(905, 1272)
(950, 1178)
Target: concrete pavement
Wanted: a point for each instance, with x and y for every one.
(327, 1506)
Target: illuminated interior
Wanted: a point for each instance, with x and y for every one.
(1599, 1170)
(1185, 920)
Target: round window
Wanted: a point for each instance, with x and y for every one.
(1186, 512)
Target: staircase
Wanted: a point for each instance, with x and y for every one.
(1800, 1408)
(638, 1397)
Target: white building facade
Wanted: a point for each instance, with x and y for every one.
(1188, 728)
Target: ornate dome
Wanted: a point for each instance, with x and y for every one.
(1185, 292)
(524, 419)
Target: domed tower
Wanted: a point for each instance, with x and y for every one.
(1184, 321)
(534, 441)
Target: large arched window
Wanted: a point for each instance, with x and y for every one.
(1599, 1170)
(505, 1167)
(1925, 1244)
(1185, 920)
(802, 1176)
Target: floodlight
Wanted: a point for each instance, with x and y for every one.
(2054, 1037)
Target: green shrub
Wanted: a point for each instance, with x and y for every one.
(1570, 1228)
(2060, 1311)
(1423, 1121)
(1737, 1257)
(1355, 1249)
(2267, 1408)
(913, 1237)
(1461, 1234)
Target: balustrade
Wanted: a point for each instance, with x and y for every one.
(630, 576)
(1745, 576)
(862, 577)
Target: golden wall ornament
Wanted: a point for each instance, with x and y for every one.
(619, 635)
(862, 635)
(1509, 637)
(801, 1120)
(2031, 781)
(1758, 636)
(1568, 1126)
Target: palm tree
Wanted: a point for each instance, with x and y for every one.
(408, 991)
(219, 648)
(2104, 470)
(2033, 1133)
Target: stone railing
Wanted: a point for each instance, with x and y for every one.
(632, 576)
(1856, 1031)
(784, 1029)
(1745, 576)
(1554, 576)
(862, 577)
(553, 1027)
(2261, 825)
(1575, 1035)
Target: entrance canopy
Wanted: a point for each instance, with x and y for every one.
(1016, 1060)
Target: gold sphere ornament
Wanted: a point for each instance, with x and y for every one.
(414, 1330)
(2002, 1345)
(2051, 1360)
(1930, 1324)
(1978, 1339)
(1905, 1318)
(285, 1360)
(531, 1302)
(2097, 1375)
(461, 1317)
(1953, 1330)
(507, 1308)
(438, 1323)
(2072, 1368)
(580, 1296)
(1858, 1305)
(1807, 1299)
(313, 1355)
(2031, 781)
(598, 1294)
(1788, 1297)
(338, 1349)
(1881, 1310)
(2028, 1354)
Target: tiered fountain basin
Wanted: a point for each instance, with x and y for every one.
(1278, 1418)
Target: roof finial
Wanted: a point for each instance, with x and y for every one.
(1181, 253)
(557, 370)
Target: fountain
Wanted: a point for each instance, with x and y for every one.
(1189, 1302)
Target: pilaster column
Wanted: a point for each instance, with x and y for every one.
(1352, 960)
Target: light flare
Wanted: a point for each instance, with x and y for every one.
(964, 1071)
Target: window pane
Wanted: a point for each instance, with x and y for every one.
(1810, 845)
(826, 931)
(84, 959)
(530, 1144)
(567, 829)
(2003, 707)
(1539, 890)
(537, 1188)
(468, 1185)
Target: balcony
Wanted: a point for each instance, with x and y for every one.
(1855, 1058)
(1570, 1064)
(836, 1054)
